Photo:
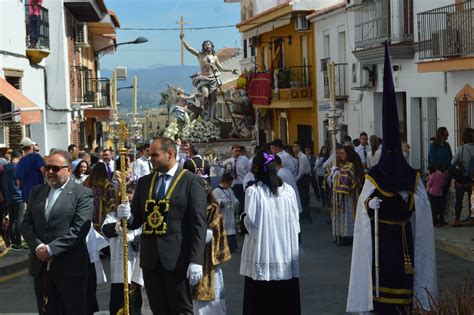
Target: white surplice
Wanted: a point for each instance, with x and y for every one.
(229, 207)
(116, 255)
(360, 297)
(271, 249)
(95, 242)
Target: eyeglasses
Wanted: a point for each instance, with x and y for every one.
(54, 168)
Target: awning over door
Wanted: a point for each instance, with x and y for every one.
(29, 112)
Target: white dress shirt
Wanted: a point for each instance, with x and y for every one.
(304, 168)
(288, 178)
(360, 150)
(142, 167)
(241, 169)
(171, 174)
(289, 162)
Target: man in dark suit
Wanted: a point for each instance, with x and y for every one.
(170, 205)
(55, 225)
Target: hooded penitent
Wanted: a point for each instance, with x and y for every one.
(392, 173)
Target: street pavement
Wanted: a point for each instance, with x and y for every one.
(324, 276)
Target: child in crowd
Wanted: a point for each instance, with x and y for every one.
(135, 278)
(434, 187)
(229, 205)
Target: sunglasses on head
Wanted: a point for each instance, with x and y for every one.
(54, 168)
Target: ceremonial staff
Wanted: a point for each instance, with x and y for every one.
(333, 127)
(376, 248)
(122, 133)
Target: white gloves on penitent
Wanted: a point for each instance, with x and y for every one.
(123, 211)
(375, 203)
(194, 273)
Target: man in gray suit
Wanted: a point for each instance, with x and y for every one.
(170, 205)
(55, 225)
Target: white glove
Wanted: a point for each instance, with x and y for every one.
(208, 236)
(123, 211)
(375, 203)
(194, 273)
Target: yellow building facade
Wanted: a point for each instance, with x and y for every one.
(282, 42)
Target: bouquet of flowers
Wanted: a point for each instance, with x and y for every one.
(199, 131)
(172, 130)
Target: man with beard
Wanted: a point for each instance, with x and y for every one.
(55, 226)
(170, 206)
(207, 81)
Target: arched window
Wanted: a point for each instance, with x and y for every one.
(251, 10)
(244, 13)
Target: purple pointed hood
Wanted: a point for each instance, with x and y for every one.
(392, 173)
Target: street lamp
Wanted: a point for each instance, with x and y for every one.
(103, 51)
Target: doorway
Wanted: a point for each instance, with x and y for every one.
(305, 136)
(283, 122)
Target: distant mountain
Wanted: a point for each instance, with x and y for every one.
(152, 81)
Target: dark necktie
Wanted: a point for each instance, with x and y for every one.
(109, 170)
(162, 189)
(365, 154)
(150, 167)
(235, 168)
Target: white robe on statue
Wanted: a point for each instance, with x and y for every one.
(360, 297)
(271, 249)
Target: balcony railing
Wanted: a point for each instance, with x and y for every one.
(294, 83)
(340, 79)
(374, 24)
(37, 27)
(446, 31)
(87, 89)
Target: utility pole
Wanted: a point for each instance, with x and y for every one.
(182, 33)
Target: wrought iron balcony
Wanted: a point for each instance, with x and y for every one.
(294, 83)
(37, 27)
(446, 32)
(90, 90)
(340, 79)
(375, 23)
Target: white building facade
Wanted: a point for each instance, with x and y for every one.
(17, 71)
(352, 36)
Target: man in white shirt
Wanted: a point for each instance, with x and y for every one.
(237, 167)
(143, 164)
(107, 158)
(303, 179)
(288, 178)
(363, 149)
(276, 147)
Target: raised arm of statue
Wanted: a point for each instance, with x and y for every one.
(189, 48)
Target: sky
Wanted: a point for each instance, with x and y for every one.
(164, 47)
